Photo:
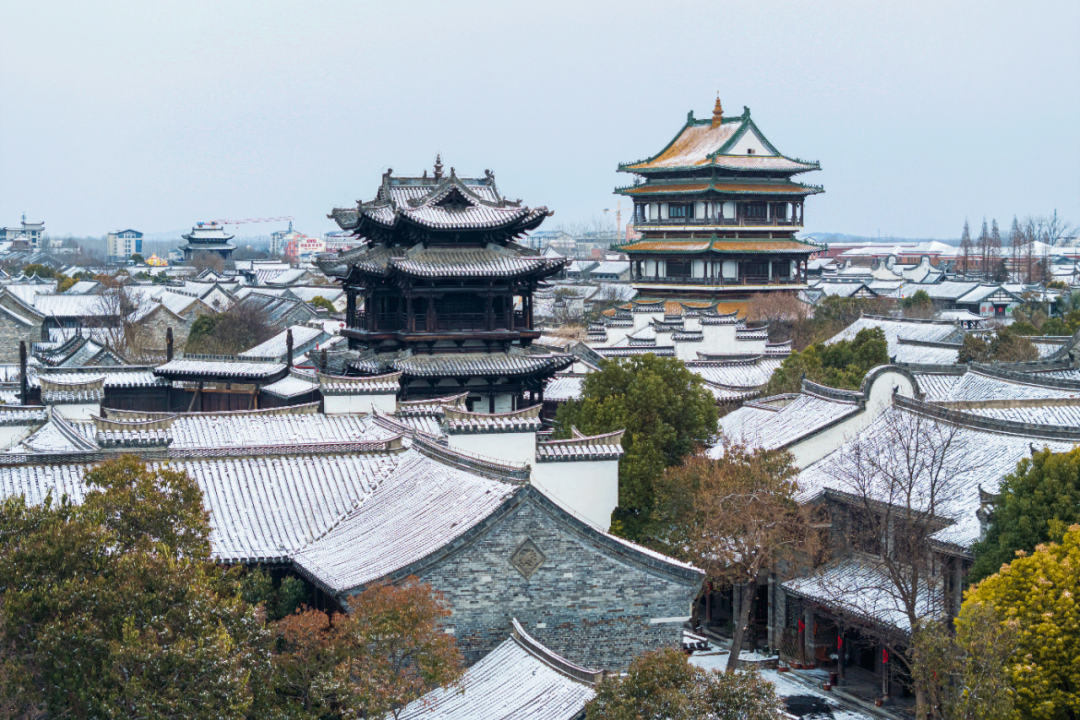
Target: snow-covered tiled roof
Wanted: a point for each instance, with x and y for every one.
(595, 447)
(936, 386)
(859, 585)
(420, 507)
(994, 447)
(916, 353)
(457, 420)
(294, 384)
(304, 337)
(976, 385)
(1062, 415)
(736, 373)
(509, 363)
(191, 368)
(359, 385)
(894, 328)
(563, 388)
(115, 377)
(518, 679)
(21, 415)
(772, 426)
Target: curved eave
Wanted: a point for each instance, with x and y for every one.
(717, 162)
(798, 191)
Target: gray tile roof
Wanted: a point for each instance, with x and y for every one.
(771, 426)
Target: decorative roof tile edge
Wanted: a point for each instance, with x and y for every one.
(348, 447)
(854, 397)
(132, 415)
(978, 422)
(556, 662)
(1023, 378)
(108, 425)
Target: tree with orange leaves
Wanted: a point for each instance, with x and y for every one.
(386, 652)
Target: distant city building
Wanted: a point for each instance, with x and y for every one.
(719, 212)
(340, 241)
(560, 241)
(122, 244)
(303, 247)
(30, 233)
(279, 238)
(208, 237)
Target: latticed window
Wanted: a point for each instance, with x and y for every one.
(677, 268)
(680, 210)
(755, 210)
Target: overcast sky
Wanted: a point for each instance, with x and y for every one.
(156, 115)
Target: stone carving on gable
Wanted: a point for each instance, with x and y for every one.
(527, 559)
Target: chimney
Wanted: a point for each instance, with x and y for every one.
(717, 113)
(288, 348)
(22, 372)
(168, 344)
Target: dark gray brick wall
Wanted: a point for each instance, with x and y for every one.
(584, 602)
(11, 332)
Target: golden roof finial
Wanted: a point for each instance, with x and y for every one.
(718, 112)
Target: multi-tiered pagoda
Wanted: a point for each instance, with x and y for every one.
(439, 291)
(718, 211)
(208, 237)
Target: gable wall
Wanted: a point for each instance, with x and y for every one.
(581, 603)
(12, 331)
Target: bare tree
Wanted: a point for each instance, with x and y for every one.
(1016, 245)
(205, 260)
(782, 312)
(116, 321)
(983, 244)
(902, 482)
(1056, 229)
(745, 522)
(1031, 231)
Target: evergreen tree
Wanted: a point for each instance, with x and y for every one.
(1041, 495)
(667, 413)
(841, 364)
(1038, 593)
(1016, 244)
(965, 248)
(984, 250)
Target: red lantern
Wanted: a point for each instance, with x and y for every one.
(885, 655)
(802, 626)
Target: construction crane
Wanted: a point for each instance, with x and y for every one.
(618, 219)
(247, 220)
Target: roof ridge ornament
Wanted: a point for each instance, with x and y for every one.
(718, 112)
(438, 167)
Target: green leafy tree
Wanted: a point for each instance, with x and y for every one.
(1035, 503)
(320, 302)
(1005, 345)
(965, 670)
(279, 600)
(662, 685)
(842, 364)
(112, 608)
(1038, 592)
(137, 259)
(42, 271)
(919, 305)
(666, 411)
(65, 284)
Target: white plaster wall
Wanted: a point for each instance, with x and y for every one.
(513, 447)
(589, 489)
(10, 434)
(650, 268)
(642, 319)
(697, 269)
(652, 211)
(717, 338)
(663, 339)
(879, 397)
(663, 211)
(699, 209)
(731, 270)
(78, 412)
(688, 350)
(359, 404)
(729, 209)
(504, 403)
